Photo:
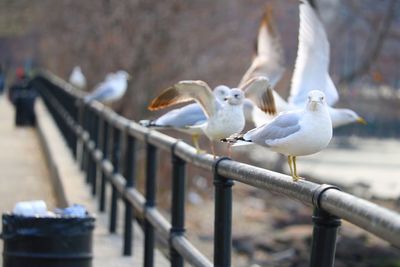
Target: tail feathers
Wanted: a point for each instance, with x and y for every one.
(236, 140)
(151, 124)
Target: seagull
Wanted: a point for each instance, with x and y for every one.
(268, 61)
(311, 71)
(223, 118)
(295, 133)
(110, 90)
(269, 57)
(77, 78)
(183, 119)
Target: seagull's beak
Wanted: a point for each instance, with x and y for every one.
(361, 120)
(313, 103)
(129, 77)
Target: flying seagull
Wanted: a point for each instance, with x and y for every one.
(312, 71)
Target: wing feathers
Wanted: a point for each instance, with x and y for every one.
(186, 91)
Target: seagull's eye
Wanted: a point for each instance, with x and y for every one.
(236, 95)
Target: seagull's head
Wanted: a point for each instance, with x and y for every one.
(344, 116)
(123, 75)
(235, 97)
(221, 92)
(316, 99)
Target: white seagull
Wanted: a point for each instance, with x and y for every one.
(183, 119)
(110, 90)
(223, 118)
(297, 132)
(77, 78)
(312, 71)
(268, 61)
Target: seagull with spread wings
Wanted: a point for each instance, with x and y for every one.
(223, 118)
(185, 118)
(268, 61)
(311, 71)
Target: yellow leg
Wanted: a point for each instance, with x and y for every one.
(195, 140)
(289, 159)
(293, 168)
(295, 176)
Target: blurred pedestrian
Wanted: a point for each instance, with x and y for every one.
(23, 95)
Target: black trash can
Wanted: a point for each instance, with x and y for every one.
(47, 242)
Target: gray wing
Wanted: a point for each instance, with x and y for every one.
(282, 126)
(103, 92)
(188, 115)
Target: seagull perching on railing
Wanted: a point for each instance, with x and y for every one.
(185, 118)
(294, 133)
(110, 90)
(77, 78)
(223, 118)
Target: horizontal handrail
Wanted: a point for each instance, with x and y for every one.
(380, 221)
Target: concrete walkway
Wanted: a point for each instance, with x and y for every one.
(27, 177)
(24, 174)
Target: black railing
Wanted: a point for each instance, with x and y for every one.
(101, 140)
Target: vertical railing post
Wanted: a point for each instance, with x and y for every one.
(82, 142)
(177, 205)
(102, 197)
(323, 245)
(222, 218)
(115, 158)
(78, 155)
(89, 159)
(96, 131)
(151, 170)
(130, 169)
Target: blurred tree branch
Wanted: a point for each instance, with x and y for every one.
(374, 46)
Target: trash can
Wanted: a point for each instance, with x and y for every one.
(47, 241)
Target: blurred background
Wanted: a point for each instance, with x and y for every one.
(162, 42)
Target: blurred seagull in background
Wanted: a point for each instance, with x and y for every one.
(111, 89)
(310, 72)
(183, 119)
(269, 57)
(295, 133)
(268, 61)
(223, 118)
(77, 78)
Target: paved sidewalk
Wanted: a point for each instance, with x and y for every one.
(25, 176)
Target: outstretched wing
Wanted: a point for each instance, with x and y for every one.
(186, 91)
(269, 59)
(260, 92)
(312, 62)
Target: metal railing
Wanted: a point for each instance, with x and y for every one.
(103, 139)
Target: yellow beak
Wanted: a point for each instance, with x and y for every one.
(361, 120)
